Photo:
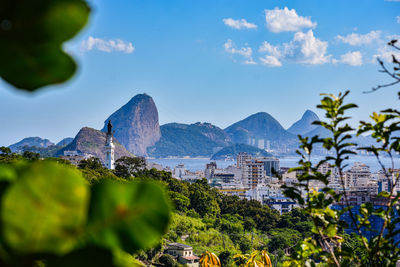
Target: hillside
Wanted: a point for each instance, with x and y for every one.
(199, 139)
(233, 150)
(304, 125)
(92, 141)
(30, 142)
(260, 127)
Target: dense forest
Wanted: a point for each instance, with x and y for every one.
(202, 217)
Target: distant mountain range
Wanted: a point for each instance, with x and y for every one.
(231, 152)
(199, 139)
(136, 127)
(30, 142)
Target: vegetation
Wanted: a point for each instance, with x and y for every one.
(330, 244)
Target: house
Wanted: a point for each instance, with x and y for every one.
(183, 253)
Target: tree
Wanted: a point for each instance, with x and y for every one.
(30, 155)
(90, 163)
(326, 246)
(126, 167)
(167, 260)
(181, 203)
(225, 257)
(5, 150)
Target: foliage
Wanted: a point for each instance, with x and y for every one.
(32, 35)
(167, 260)
(209, 259)
(255, 259)
(226, 258)
(94, 171)
(329, 244)
(72, 220)
(126, 167)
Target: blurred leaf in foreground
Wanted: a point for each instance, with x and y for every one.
(31, 38)
(131, 216)
(46, 210)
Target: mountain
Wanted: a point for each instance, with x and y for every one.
(136, 125)
(30, 142)
(198, 139)
(65, 141)
(260, 126)
(304, 125)
(92, 141)
(233, 150)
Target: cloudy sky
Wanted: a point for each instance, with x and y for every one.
(216, 61)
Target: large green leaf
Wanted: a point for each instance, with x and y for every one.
(88, 256)
(130, 216)
(45, 210)
(31, 38)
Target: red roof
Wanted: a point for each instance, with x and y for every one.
(190, 257)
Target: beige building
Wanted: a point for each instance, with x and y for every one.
(183, 254)
(253, 173)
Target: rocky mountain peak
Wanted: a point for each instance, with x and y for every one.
(304, 125)
(136, 124)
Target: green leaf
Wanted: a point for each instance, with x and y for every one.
(131, 216)
(32, 35)
(45, 209)
(88, 256)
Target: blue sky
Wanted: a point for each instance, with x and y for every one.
(215, 61)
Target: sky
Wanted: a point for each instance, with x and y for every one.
(214, 61)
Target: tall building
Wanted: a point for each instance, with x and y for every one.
(261, 143)
(271, 165)
(242, 157)
(109, 148)
(359, 173)
(253, 173)
(209, 171)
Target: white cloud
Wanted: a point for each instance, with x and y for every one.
(107, 45)
(271, 49)
(385, 53)
(245, 52)
(270, 61)
(239, 24)
(285, 20)
(352, 58)
(273, 54)
(360, 39)
(306, 49)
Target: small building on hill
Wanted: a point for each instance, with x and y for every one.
(183, 254)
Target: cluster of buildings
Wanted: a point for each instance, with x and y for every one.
(256, 178)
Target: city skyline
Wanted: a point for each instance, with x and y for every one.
(202, 62)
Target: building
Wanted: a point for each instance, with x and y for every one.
(271, 165)
(209, 171)
(183, 254)
(253, 173)
(179, 171)
(75, 157)
(359, 173)
(242, 157)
